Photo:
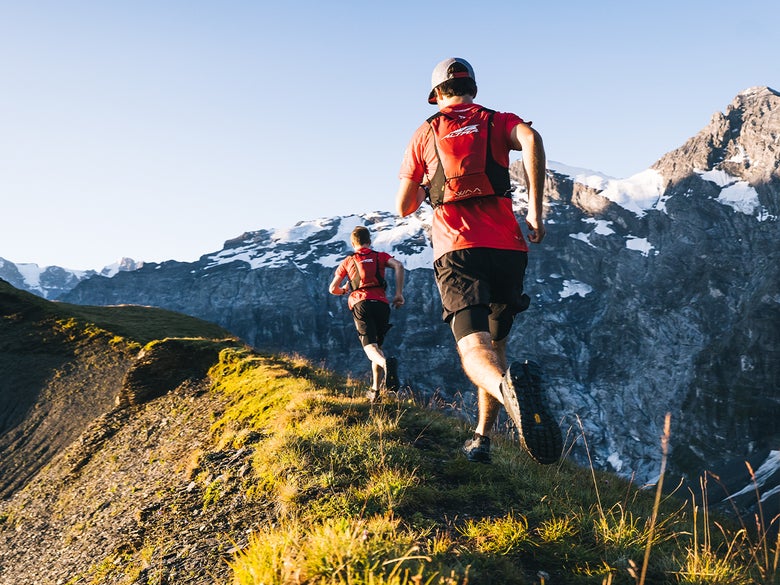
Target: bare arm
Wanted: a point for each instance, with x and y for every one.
(335, 286)
(529, 141)
(398, 268)
(409, 198)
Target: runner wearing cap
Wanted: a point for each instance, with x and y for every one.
(459, 160)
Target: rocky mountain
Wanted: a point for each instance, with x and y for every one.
(50, 282)
(653, 294)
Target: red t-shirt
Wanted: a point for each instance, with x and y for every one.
(479, 222)
(348, 269)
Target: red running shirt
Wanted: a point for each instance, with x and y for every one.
(480, 222)
(347, 269)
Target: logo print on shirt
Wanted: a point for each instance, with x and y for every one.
(471, 129)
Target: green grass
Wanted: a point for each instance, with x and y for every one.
(346, 493)
(135, 324)
(379, 495)
(145, 324)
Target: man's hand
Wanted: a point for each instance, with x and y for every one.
(398, 301)
(536, 231)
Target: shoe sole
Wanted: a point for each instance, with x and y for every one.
(540, 435)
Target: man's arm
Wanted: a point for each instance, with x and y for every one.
(409, 198)
(528, 140)
(398, 268)
(335, 286)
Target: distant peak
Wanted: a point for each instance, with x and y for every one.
(758, 90)
(124, 264)
(743, 141)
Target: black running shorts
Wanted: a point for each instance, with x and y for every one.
(483, 287)
(372, 321)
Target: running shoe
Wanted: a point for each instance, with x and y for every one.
(524, 400)
(477, 449)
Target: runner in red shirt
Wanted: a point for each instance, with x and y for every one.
(459, 159)
(370, 308)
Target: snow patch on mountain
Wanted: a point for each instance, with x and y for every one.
(31, 274)
(389, 237)
(405, 239)
(735, 193)
(582, 237)
(575, 287)
(645, 190)
(639, 244)
(615, 461)
(638, 193)
(602, 226)
(587, 177)
(300, 231)
(122, 265)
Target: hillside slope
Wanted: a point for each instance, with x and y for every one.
(75, 383)
(120, 492)
(214, 464)
(62, 366)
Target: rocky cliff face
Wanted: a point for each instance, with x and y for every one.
(658, 293)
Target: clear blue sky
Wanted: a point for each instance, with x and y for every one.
(159, 129)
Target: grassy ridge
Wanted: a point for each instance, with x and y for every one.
(337, 491)
(145, 324)
(84, 441)
(134, 323)
(62, 365)
(379, 495)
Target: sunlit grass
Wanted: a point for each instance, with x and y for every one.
(502, 536)
(356, 551)
(379, 495)
(557, 529)
(144, 324)
(719, 556)
(619, 530)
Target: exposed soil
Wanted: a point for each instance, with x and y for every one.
(141, 497)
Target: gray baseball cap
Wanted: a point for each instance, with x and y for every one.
(440, 75)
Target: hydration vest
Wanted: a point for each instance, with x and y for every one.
(466, 165)
(366, 276)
